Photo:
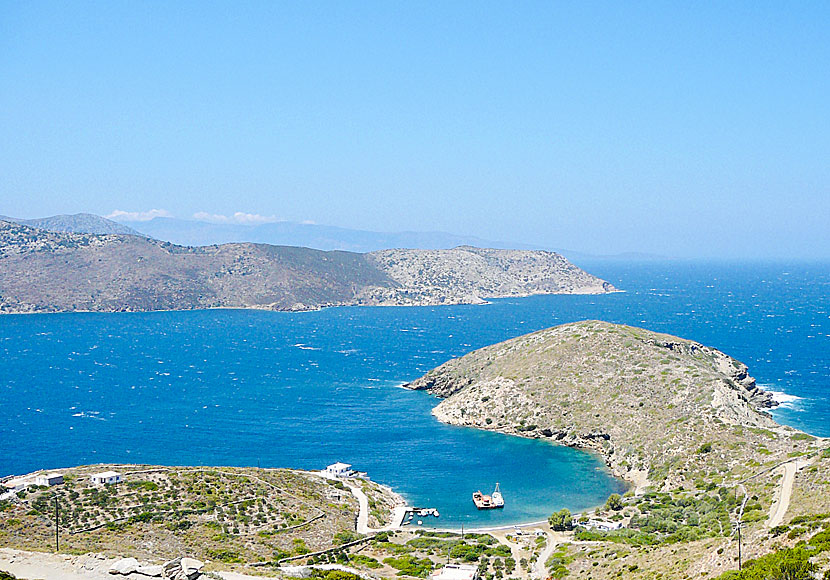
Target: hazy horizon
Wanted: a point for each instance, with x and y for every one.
(680, 131)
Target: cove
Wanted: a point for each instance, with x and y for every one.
(271, 390)
(307, 389)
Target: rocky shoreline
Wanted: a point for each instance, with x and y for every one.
(593, 386)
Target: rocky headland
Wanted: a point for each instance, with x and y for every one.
(49, 271)
(684, 423)
(656, 407)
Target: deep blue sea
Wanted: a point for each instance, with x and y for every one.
(308, 389)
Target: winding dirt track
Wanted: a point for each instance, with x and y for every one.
(539, 570)
(363, 515)
(782, 503)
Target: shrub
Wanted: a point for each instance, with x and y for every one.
(632, 537)
(346, 536)
(142, 517)
(614, 502)
(333, 575)
(802, 437)
(227, 556)
(361, 560)
(462, 551)
(143, 485)
(300, 547)
(409, 565)
(789, 564)
(561, 520)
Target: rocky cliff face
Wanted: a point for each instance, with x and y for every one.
(42, 271)
(652, 404)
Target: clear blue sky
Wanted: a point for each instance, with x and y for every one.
(688, 129)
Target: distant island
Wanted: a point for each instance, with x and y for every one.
(65, 271)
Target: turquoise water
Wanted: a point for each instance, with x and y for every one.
(307, 389)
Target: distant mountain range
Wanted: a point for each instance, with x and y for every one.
(79, 223)
(46, 271)
(202, 233)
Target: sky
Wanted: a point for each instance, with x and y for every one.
(677, 128)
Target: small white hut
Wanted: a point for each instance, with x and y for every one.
(603, 525)
(106, 478)
(339, 470)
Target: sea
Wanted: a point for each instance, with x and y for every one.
(303, 390)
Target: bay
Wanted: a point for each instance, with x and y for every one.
(307, 389)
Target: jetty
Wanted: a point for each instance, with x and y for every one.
(409, 514)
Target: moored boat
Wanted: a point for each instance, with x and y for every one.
(488, 502)
(496, 498)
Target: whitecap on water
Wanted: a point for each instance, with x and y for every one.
(89, 415)
(302, 346)
(785, 400)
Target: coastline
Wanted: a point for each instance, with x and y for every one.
(498, 388)
(483, 301)
(637, 480)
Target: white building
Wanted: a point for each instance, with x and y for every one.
(106, 478)
(49, 479)
(603, 525)
(339, 470)
(11, 487)
(456, 572)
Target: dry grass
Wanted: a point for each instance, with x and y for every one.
(231, 515)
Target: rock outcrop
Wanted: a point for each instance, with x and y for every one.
(182, 568)
(124, 566)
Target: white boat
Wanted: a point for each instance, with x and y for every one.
(496, 498)
(488, 502)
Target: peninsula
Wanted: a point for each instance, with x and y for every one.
(684, 423)
(51, 271)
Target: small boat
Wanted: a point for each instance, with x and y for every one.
(488, 502)
(497, 499)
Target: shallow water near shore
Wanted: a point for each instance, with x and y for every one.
(307, 389)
